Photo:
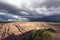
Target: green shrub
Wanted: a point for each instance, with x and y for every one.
(51, 30)
(38, 35)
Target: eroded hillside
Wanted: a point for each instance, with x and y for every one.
(19, 28)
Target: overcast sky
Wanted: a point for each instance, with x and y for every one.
(30, 10)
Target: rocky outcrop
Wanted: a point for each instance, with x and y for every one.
(18, 28)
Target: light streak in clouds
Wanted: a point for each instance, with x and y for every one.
(16, 3)
(16, 17)
(21, 3)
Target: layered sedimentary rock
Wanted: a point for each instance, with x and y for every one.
(13, 30)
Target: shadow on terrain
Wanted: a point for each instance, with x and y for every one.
(16, 37)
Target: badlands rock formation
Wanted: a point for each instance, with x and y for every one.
(14, 30)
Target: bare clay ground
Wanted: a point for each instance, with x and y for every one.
(56, 36)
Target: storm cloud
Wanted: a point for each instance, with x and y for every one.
(30, 10)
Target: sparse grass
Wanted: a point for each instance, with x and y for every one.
(39, 35)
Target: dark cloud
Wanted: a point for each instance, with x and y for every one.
(46, 11)
(52, 18)
(7, 7)
(13, 10)
(51, 3)
(5, 18)
(9, 12)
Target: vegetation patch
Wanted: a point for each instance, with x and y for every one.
(40, 35)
